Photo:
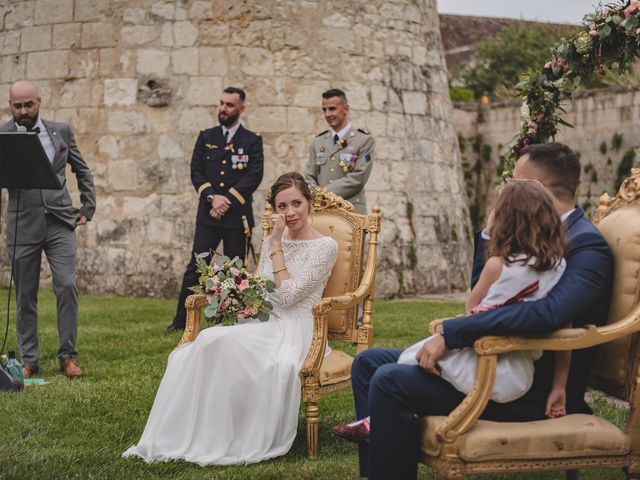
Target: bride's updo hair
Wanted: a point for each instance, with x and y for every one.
(288, 180)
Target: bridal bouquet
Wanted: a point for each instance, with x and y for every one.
(231, 291)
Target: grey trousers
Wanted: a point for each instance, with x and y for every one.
(59, 246)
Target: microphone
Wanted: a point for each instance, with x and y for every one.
(21, 128)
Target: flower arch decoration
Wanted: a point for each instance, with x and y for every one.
(609, 38)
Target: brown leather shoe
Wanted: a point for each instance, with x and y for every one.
(30, 370)
(70, 367)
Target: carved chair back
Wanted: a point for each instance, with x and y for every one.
(615, 370)
(336, 218)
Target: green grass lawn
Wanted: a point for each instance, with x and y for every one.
(78, 429)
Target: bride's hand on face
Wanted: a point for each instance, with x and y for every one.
(278, 223)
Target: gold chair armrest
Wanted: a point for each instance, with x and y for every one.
(435, 326)
(462, 418)
(313, 360)
(194, 305)
(467, 413)
(564, 339)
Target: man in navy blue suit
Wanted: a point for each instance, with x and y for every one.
(395, 396)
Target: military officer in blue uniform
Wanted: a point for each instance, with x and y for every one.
(341, 159)
(226, 168)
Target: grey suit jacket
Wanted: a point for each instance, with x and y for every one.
(29, 212)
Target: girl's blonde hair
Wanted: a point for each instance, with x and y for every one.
(527, 223)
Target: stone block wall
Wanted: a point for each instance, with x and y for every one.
(138, 79)
(605, 137)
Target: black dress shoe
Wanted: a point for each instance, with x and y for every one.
(174, 328)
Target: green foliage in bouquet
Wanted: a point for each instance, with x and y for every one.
(232, 292)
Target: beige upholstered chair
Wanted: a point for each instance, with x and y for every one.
(335, 316)
(461, 444)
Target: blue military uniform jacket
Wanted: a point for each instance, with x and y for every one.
(233, 170)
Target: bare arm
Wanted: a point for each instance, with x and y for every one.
(557, 399)
(490, 273)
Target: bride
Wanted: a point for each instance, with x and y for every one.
(233, 395)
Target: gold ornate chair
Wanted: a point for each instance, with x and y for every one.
(461, 444)
(335, 316)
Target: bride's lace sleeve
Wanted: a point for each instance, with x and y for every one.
(318, 265)
(264, 253)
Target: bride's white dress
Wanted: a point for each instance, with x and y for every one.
(233, 395)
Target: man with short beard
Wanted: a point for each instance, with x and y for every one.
(226, 168)
(45, 221)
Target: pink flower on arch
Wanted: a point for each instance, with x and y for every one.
(234, 271)
(633, 7)
(551, 64)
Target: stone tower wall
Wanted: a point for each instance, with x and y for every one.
(138, 79)
(605, 136)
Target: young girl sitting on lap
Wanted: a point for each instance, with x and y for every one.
(524, 262)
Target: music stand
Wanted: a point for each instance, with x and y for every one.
(24, 163)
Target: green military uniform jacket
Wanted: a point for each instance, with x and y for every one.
(343, 168)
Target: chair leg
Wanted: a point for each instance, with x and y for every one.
(629, 475)
(572, 475)
(312, 429)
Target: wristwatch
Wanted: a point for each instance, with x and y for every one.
(210, 198)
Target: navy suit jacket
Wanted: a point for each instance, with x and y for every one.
(581, 297)
(212, 173)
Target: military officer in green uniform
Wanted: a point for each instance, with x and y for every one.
(340, 159)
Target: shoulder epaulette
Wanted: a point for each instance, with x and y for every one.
(362, 130)
(320, 134)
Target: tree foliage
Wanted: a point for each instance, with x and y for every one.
(500, 60)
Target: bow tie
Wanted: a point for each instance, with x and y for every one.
(36, 129)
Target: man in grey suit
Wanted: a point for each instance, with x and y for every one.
(340, 159)
(45, 220)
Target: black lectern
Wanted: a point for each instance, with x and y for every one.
(24, 163)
